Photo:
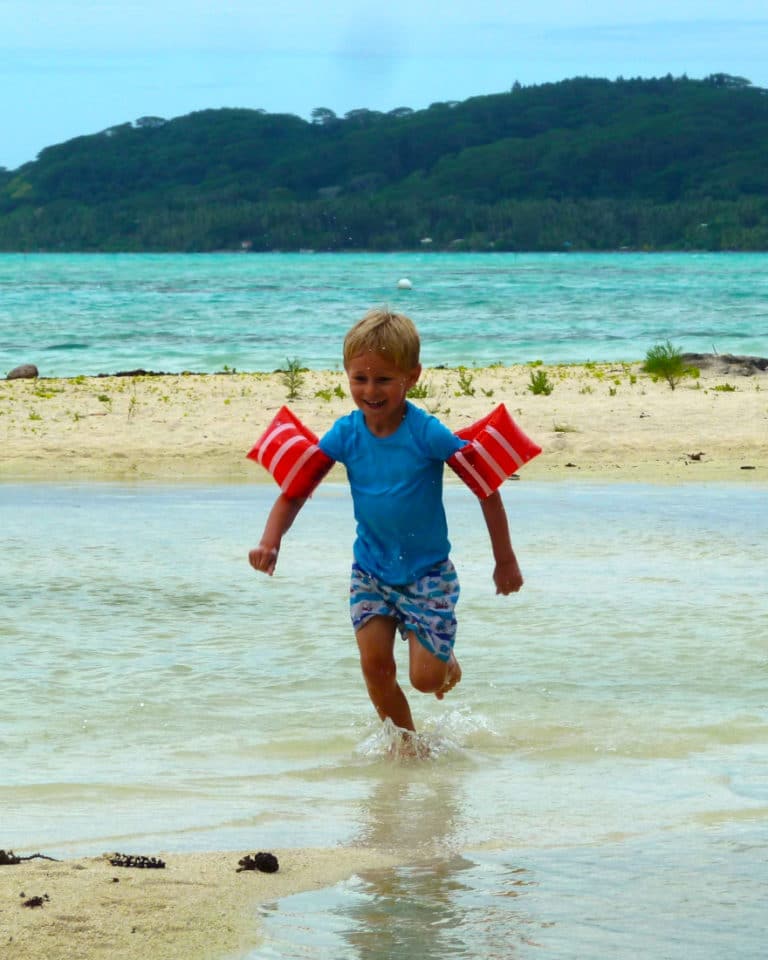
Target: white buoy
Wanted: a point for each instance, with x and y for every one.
(404, 284)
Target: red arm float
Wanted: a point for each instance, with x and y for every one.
(497, 448)
(290, 452)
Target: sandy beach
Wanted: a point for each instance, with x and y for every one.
(600, 421)
(197, 907)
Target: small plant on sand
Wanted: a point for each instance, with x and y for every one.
(540, 383)
(666, 361)
(420, 391)
(725, 388)
(293, 378)
(465, 383)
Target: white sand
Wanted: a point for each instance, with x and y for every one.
(198, 907)
(608, 421)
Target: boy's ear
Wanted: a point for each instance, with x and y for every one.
(413, 376)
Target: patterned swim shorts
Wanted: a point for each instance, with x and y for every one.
(425, 607)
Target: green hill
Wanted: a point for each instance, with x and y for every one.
(581, 164)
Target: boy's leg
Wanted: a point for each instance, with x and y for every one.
(376, 642)
(430, 674)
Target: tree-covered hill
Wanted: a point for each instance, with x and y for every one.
(584, 164)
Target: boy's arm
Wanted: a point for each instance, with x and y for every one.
(506, 574)
(281, 516)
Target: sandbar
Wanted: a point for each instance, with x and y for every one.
(603, 422)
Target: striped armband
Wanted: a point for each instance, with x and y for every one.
(289, 451)
(497, 447)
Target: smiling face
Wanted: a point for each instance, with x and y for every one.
(379, 387)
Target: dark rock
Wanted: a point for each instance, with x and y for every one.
(27, 371)
(265, 862)
(141, 862)
(139, 372)
(35, 901)
(727, 363)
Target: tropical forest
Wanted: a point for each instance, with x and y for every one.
(666, 163)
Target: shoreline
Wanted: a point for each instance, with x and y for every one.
(607, 421)
(197, 908)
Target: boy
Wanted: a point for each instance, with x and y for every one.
(402, 578)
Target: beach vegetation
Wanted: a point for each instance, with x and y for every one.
(586, 389)
(104, 398)
(663, 361)
(540, 384)
(292, 377)
(725, 388)
(486, 393)
(661, 163)
(420, 390)
(34, 415)
(465, 383)
(325, 394)
(563, 428)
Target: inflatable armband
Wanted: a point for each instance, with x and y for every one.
(497, 448)
(290, 452)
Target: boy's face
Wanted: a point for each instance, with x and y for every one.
(379, 387)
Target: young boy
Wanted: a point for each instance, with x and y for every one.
(402, 578)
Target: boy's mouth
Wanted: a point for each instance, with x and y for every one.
(375, 404)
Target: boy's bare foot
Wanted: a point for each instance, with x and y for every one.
(410, 746)
(452, 677)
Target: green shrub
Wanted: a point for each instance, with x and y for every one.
(465, 383)
(540, 383)
(293, 378)
(665, 361)
(419, 391)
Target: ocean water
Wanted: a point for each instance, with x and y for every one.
(100, 313)
(598, 782)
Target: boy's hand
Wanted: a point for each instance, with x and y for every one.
(263, 558)
(507, 577)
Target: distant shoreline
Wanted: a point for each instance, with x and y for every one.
(605, 421)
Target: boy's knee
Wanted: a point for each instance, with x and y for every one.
(427, 677)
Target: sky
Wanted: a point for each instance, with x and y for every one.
(73, 68)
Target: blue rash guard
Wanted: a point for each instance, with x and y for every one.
(397, 491)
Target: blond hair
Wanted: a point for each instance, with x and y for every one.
(391, 335)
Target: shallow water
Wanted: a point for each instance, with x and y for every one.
(604, 760)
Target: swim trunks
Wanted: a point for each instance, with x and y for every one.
(425, 607)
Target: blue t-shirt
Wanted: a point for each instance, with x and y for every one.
(397, 491)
